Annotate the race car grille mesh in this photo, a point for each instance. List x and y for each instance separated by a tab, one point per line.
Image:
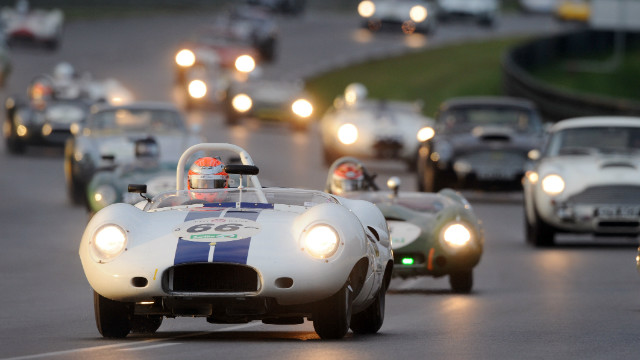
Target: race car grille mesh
212	278
619	194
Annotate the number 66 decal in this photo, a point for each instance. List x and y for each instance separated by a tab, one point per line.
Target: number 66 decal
217	229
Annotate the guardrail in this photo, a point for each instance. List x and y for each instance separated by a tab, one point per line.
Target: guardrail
554	103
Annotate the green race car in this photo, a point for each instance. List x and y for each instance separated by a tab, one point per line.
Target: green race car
432	234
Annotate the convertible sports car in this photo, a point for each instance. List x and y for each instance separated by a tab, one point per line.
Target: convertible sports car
32	26
234	255
372	128
479	142
432	234
408	15
108	138
273	100
586	181
485	12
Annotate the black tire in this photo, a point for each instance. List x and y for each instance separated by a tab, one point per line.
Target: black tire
141	324
370	320
76	189
332	318
15	145
113	318
539	234
461	281
432	178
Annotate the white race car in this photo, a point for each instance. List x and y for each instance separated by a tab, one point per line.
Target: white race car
371	128
485	12
587	180
38	26
234	255
406	15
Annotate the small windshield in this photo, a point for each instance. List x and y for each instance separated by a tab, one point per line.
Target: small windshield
465	119
296	197
131	120
592	140
420	202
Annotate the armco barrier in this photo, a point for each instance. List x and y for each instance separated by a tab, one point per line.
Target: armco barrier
554	103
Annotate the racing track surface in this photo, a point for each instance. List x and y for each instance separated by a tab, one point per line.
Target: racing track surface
579	300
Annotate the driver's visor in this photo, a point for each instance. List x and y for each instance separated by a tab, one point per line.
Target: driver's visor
208	181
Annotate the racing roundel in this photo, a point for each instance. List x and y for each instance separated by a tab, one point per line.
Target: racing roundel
217	229
403	233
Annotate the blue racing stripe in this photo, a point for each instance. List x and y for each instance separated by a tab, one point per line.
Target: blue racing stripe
235	251
191	251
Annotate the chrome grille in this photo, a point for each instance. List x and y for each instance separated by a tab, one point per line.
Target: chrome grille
618	194
211	278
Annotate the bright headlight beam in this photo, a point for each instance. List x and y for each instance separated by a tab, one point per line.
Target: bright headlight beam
321	241
302	108
109	241
425	133
348	134
245	63
456	235
242	102
366	8
185	58
552	184
418	13
197	89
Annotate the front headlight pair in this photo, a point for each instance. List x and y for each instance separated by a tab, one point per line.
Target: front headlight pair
367	9
108	242
321	241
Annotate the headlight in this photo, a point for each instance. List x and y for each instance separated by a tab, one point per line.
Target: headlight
105	195
21	130
425	133
348	134
302	108
552	184
245	63
242	103
456	235
366	8
46	130
185	58
320	241
108	242
197	89
418	13
532	176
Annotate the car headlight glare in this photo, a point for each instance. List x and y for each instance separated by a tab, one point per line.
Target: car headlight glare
348	134
197	89
245	63
552	184
456	235
105	195
109	242
532	176
21	130
320	241
302	108
425	133
366	8
242	103
185	58
418	13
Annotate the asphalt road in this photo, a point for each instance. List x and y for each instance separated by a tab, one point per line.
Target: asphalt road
579	300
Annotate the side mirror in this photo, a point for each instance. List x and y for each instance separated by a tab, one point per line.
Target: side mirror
394	184
139	189
534	154
241	169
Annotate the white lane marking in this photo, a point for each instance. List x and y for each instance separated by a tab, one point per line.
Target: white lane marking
149	347
102	347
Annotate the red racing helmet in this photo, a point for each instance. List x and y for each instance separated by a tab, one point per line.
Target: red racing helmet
347	177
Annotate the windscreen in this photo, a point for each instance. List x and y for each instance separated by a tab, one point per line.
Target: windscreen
592	140
136	120
465	119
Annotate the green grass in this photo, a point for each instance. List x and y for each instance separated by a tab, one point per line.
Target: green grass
431	76
575	75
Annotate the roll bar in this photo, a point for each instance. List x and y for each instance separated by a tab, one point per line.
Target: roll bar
244	157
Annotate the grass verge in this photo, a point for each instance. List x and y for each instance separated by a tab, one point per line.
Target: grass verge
432	75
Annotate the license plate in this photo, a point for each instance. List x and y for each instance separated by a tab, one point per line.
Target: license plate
618	211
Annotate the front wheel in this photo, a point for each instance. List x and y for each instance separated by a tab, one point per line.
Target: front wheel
332	318
539	234
113	318
370	320
461	281
145	324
